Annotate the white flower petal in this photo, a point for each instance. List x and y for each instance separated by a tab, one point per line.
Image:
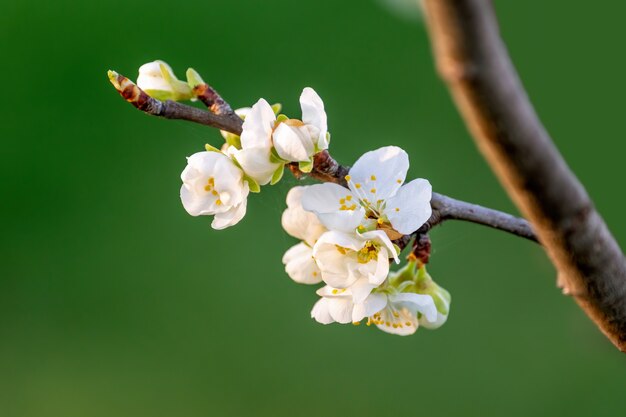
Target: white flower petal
326	200
416	303
301	266
293	143
257	128
440	321
402	323
342	221
360	290
330	292
256	163
410	208
372	304
320	312
379	173
382	268
230	217
298	222
334	238
340	309
313	114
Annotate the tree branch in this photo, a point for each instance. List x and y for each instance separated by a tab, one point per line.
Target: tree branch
474	63
325	167
222	118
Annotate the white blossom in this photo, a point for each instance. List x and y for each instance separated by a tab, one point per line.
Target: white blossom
303	225
158	80
391	311
356	261
214	185
376	197
298	140
256	143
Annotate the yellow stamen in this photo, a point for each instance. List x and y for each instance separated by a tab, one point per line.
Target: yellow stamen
373	177
356	323
214	192
397	209
380	221
395	314
373	191
357	185
408	323
218	202
342	201
348	197
399	181
207	188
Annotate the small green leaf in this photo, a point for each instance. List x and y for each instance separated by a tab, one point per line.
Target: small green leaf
305	166
278	174
281	118
277	107
210	148
254	186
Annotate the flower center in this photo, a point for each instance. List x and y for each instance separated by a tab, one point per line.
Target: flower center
367	253
210	188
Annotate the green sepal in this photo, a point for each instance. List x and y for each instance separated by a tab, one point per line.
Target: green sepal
277	107
278	174
306	166
211	148
276	159
193	78
252	184
182	91
233	140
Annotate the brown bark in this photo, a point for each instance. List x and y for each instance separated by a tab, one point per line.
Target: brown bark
473	61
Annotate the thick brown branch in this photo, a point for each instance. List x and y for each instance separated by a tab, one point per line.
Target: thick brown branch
475	64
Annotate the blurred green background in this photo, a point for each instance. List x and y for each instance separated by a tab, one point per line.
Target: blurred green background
115	302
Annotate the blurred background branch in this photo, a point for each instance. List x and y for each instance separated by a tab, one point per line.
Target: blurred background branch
474	63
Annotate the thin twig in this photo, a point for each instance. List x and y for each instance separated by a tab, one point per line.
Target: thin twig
474	62
172	109
325	167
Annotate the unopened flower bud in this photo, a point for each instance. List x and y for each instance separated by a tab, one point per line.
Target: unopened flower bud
158	80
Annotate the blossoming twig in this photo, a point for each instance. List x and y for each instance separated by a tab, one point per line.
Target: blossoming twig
171	109
473	61
325	167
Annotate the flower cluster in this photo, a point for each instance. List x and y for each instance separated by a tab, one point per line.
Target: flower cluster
217	182
347	242
346	234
